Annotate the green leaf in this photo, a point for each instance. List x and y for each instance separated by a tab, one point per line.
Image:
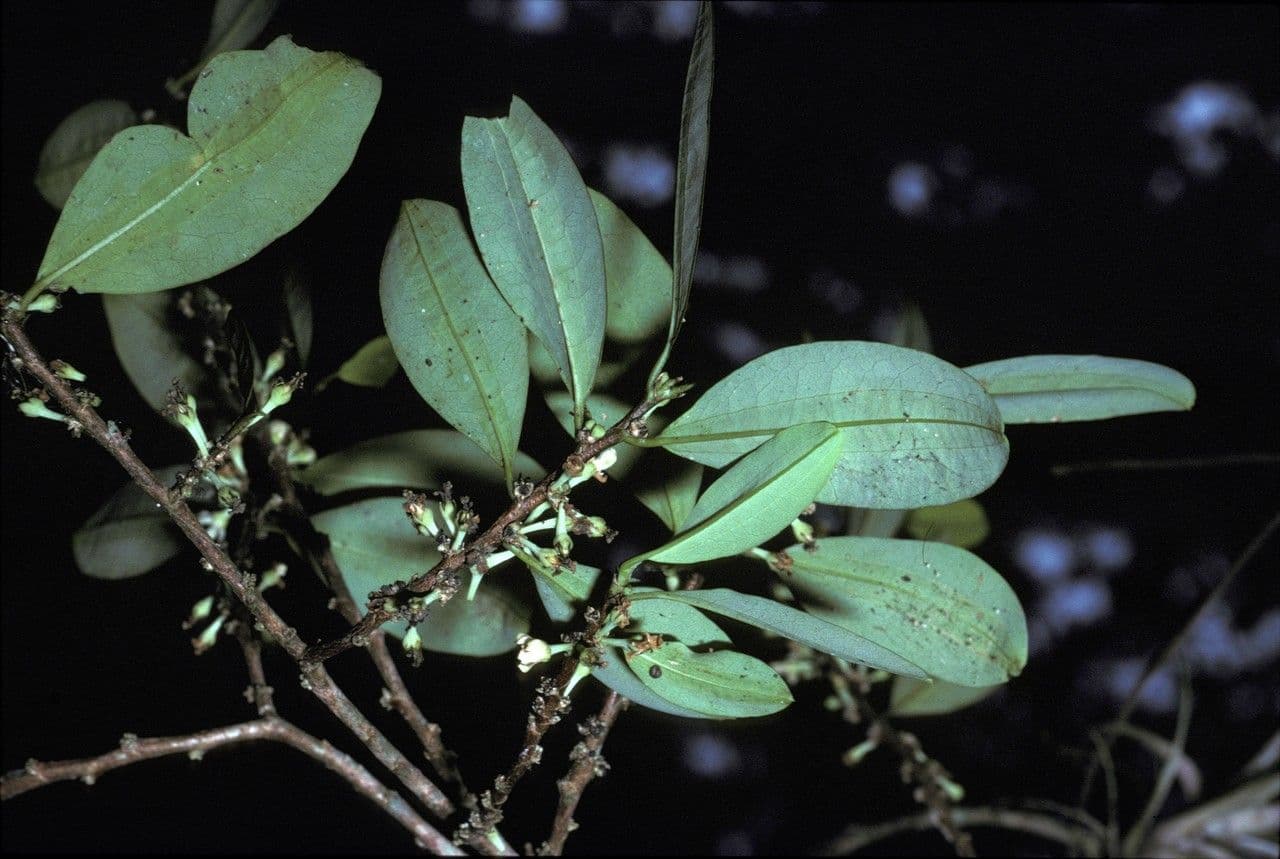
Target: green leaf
722	685
938	606
418	459
146	332
375	545
1054	388
128	535
691	171
272	132
606	411
68	151
637	278
755	499
910	330
298	315
875	523
617	676
796	625
459	342
537	232
657	612
670	490
911	697
235	24
563	592
372	366
917	431
544	370
960	523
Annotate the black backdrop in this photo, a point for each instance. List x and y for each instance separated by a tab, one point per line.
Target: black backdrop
814	106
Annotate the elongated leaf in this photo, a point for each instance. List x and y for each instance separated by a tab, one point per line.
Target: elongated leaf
691	171
670	490
723	685
544	370
461	345
1054	388
917	431
272	132
298	315
617	676
146	334
938	606
653	612
235	24
911	697
416	459
562	593
536	228
375	545
796	625
128	535
605	410
73	144
637	278
372	366
756	498
960	523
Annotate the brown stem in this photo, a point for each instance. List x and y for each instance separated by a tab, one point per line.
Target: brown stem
586	763
318	551
1042	825
132	750
491	540
242	586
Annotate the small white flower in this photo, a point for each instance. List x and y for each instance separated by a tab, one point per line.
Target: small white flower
533	651
606	459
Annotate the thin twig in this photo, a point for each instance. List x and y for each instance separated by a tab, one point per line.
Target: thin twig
132	750
491	540
1075	837
586	763
242	586
1226	459
320	554
1133	842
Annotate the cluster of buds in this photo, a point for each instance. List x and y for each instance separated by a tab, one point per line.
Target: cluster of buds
663	389
200	612
181	407
446	521
296	449
281	392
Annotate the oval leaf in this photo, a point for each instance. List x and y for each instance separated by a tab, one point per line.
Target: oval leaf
722	685
146	333
691	171
652	611
938	606
459	342
372	366
566	590
73	144
796	625
960	523
1055	388
615	674
272	132
917	430
128	535
375	545
756	498
637	278
911	697
537	231
417	459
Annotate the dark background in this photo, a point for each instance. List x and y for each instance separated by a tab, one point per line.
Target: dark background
1051	241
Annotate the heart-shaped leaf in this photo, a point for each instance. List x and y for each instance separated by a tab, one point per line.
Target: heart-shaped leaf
375	545
537	231
754	499
1055	388
416	459
459	342
722	685
796	625
917	431
73	144
272	132
940	607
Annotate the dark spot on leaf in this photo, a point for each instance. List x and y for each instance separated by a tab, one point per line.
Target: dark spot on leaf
428	362
906	578
655	672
